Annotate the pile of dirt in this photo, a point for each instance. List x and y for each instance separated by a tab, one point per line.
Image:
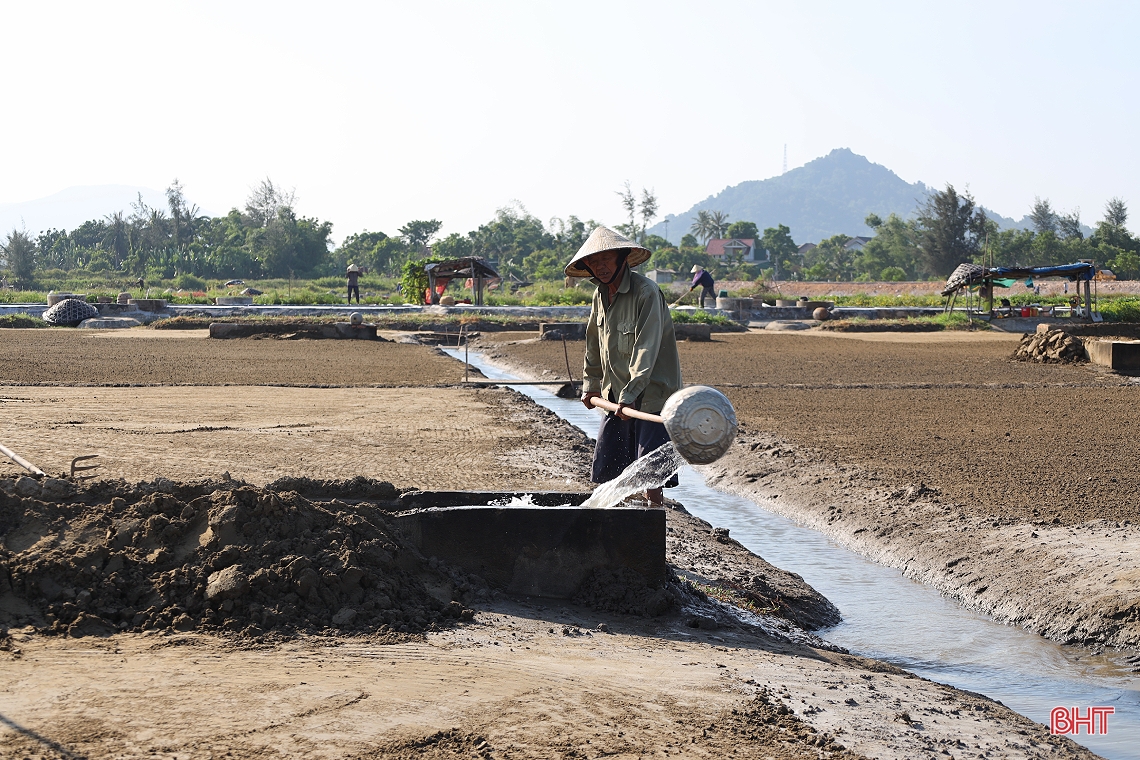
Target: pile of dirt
625	591
211	556
1051	347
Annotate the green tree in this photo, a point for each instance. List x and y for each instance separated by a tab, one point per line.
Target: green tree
892	274
680	260
742	231
1111	236
777	241
830	260
454	246
646	209
893	247
718	224
116	238
1116	213
547	264
265	202
289	246
418	234
510	237
20	257
701	227
950	227
357	249
1069	225
1043	216
1125	265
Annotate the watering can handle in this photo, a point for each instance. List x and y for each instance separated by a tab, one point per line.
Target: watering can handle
610	406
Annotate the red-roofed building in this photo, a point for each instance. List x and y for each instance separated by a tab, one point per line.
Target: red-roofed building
735	249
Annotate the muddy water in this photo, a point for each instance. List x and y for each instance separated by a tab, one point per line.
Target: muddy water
891	618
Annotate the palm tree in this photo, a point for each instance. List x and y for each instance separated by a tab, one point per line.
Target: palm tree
701	225
710	225
718	223
116	237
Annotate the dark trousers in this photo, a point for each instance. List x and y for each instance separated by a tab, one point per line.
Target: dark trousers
707	292
354	289
621	442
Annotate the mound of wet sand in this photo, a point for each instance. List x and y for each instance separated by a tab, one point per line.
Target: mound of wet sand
213	556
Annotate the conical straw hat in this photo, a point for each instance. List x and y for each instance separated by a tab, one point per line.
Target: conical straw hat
605	239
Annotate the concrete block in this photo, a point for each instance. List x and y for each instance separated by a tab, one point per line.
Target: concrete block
1121	355
148	304
109	323
692	331
540	551
115	309
560	330
349	331
233	301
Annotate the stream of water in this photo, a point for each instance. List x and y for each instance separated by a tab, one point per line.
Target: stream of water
891	618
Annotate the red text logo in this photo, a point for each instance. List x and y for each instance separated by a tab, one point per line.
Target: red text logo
1068	720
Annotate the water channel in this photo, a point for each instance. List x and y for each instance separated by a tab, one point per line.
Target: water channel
891	618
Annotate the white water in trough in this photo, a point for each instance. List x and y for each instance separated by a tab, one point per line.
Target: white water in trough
891	618
651	471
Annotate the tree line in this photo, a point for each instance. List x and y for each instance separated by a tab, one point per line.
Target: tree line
268	239
948	229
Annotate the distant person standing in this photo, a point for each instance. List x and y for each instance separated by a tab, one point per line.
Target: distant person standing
705	281
353	282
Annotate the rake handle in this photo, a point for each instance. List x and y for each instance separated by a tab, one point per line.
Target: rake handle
610	406
22	462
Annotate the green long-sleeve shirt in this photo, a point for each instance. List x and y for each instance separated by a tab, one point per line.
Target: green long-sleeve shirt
631	349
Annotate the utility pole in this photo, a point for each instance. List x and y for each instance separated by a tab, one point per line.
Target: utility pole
666	229
785	171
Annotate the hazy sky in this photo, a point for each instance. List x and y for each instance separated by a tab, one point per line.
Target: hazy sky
378	113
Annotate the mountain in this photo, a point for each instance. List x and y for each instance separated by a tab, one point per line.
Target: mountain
829	196
824	197
70	208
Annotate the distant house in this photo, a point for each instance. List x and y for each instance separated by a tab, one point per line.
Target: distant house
806	247
856	243
735	249
661	276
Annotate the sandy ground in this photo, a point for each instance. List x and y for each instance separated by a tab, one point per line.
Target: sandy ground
174	357
521	681
524	679
451	438
938	455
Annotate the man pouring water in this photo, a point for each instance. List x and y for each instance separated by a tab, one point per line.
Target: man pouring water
631	353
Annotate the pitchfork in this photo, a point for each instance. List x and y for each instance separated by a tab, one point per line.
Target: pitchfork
82	467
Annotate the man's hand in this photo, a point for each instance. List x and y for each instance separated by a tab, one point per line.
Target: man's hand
620	413
587	395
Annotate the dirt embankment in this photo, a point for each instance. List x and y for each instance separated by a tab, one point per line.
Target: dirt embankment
942	457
